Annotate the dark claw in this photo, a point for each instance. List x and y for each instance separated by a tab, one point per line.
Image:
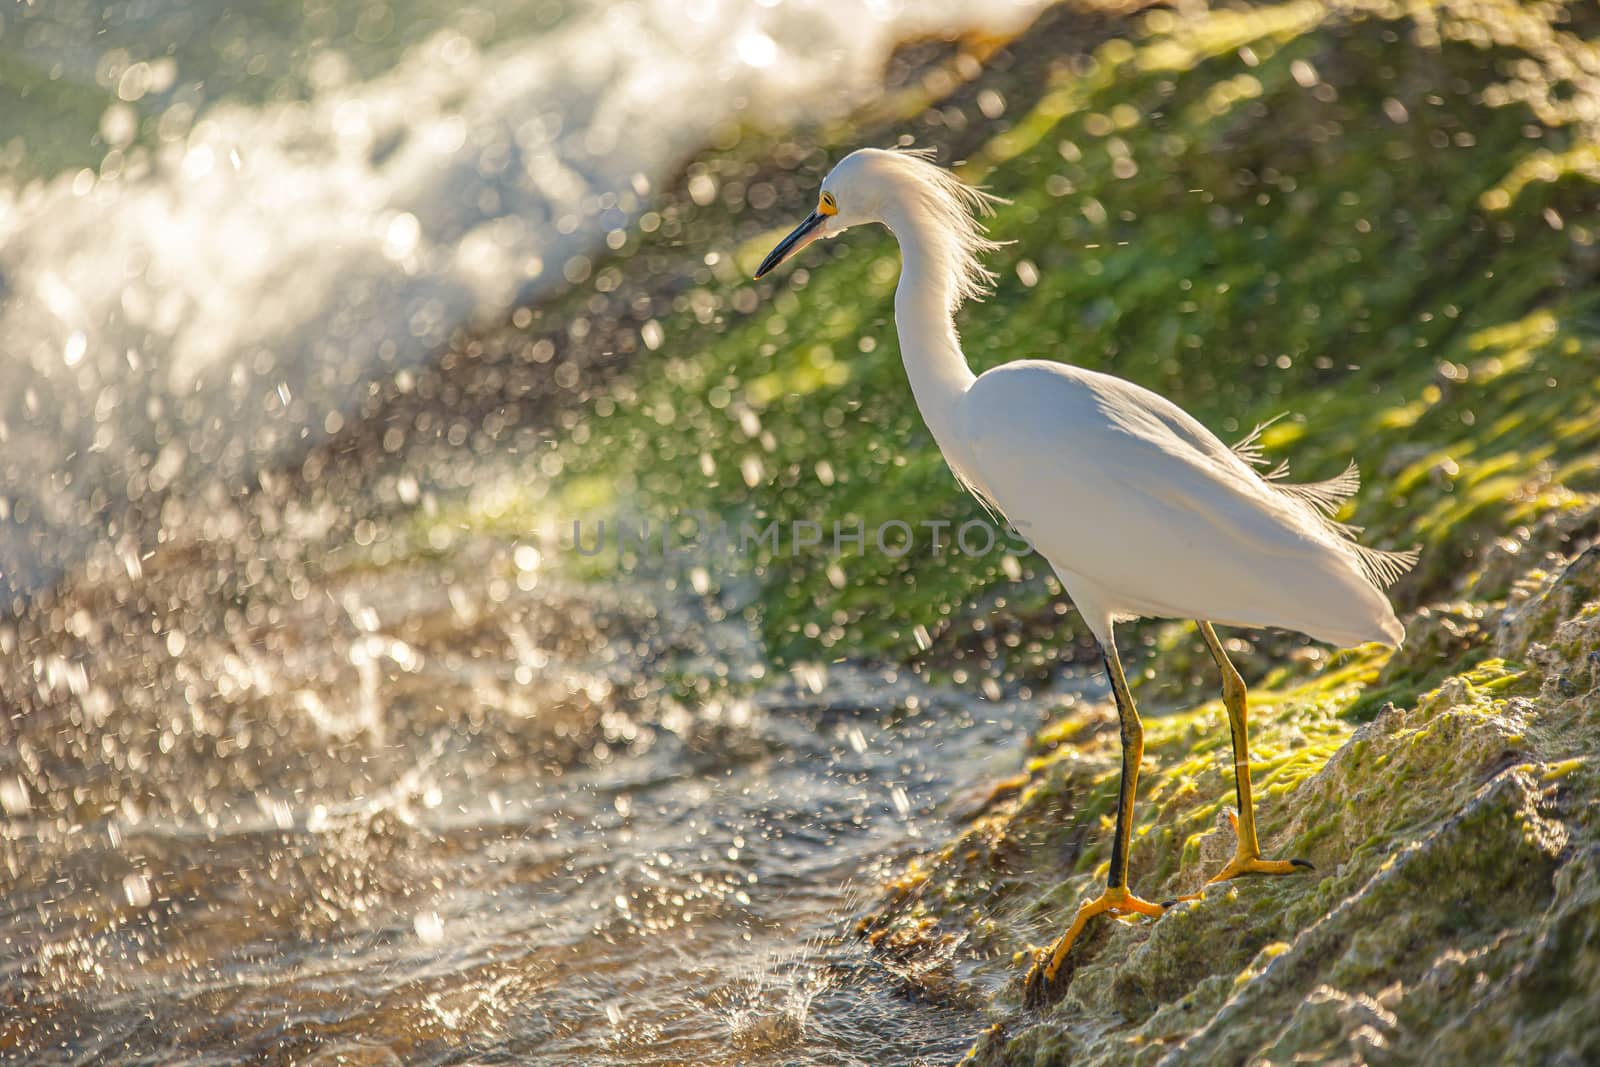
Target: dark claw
1039	992
1302	863
1033	990
1169	903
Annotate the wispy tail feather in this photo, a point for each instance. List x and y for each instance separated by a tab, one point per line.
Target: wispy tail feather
1323	500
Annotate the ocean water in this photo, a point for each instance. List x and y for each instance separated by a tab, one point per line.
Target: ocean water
219	221
405	821
454	809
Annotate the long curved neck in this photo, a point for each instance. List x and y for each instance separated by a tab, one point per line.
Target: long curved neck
928	343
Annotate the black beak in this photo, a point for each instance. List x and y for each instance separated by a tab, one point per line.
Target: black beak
802	235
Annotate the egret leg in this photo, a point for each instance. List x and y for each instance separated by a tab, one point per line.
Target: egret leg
1247	855
1116	899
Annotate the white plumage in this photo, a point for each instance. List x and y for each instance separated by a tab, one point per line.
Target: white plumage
1141	510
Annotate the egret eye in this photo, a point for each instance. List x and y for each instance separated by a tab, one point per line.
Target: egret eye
826	205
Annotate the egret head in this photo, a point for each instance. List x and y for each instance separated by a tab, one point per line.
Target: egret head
847	197
907	192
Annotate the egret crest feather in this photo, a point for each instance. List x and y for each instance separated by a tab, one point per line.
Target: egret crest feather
956	211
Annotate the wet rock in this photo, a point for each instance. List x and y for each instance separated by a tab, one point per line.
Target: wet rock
1554	600
1457	890
1455	907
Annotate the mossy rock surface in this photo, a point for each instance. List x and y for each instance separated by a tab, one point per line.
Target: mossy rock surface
1452	914
1379	219
1324	212
1376	217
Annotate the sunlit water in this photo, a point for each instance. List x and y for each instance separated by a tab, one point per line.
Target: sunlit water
216	225
255	808
494	819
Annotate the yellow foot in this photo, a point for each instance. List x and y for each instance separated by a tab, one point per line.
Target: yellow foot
1042	981
1247	862
1242	865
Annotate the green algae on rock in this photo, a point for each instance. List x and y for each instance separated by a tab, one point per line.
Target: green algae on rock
1235	208
1377	217
1454	911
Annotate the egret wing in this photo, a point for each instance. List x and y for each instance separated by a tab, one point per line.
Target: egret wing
1046	435
1114	483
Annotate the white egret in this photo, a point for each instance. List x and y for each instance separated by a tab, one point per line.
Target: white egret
1139	509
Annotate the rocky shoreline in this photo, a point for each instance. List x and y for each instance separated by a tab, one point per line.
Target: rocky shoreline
1381	221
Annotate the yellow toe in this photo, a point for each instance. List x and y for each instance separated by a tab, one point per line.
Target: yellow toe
1047	962
1240	866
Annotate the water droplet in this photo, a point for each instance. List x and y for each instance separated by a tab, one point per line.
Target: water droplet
650	333
758	50
136	888
76	345
14	799
400	239
429	927
902	803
